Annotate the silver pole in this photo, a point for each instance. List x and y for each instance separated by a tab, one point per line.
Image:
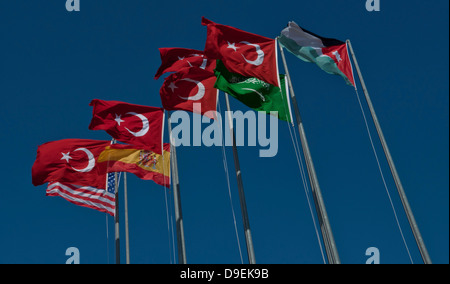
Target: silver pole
248	234
176	198
116	214
127	239
327	234
412	221
116	219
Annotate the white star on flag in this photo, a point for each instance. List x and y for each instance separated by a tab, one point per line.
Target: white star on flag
172	86
66	156
118	119
232	46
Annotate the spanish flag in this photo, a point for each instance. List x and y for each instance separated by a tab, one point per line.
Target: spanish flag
145	164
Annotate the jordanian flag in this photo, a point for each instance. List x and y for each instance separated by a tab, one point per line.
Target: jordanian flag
329	54
254	93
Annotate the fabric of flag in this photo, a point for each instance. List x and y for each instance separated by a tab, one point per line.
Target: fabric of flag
254	93
87	196
129	123
145	164
71	161
242	52
191	89
111	183
331	55
175	59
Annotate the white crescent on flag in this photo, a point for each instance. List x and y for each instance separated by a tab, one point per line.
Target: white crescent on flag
91	162
255	91
200	93
145	125
260	59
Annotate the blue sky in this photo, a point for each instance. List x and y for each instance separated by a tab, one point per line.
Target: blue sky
55	62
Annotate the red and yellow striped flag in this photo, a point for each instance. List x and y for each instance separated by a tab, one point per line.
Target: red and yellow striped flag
145	164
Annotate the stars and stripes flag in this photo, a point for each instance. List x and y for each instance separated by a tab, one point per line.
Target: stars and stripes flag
70	168
87	196
111	183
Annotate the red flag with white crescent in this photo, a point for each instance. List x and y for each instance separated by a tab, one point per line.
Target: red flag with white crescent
69	160
175	59
189	89
242	52
129	123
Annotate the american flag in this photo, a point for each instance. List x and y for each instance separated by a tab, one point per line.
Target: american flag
111	187
87	196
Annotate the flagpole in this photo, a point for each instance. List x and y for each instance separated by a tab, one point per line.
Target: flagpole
248	235
176	198
327	234
412	221
116	215
127	242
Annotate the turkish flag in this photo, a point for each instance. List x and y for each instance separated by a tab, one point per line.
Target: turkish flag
241	52
129	123
174	59
69	160
191	89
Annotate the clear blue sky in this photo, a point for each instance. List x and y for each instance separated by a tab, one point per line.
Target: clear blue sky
53	63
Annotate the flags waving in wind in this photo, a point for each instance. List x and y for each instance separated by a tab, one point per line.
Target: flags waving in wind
255	93
129	123
145	164
188	87
191	85
329	54
69	160
175	59
71	166
242	52
87	196
71	170
237	62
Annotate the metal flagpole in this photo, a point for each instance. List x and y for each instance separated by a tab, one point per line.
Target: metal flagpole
412	221
327	234
116	215
176	198
127	242
116	219
248	235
